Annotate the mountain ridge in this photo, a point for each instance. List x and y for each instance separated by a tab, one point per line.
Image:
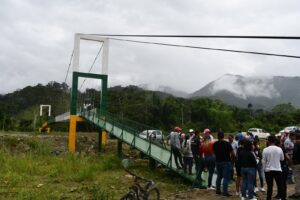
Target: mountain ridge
264	91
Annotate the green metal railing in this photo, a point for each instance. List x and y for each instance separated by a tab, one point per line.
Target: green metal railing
128	131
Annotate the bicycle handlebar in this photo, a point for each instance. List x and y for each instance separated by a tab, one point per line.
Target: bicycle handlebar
138	177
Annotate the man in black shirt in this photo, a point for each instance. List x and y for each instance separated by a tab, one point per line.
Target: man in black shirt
224	152
296	167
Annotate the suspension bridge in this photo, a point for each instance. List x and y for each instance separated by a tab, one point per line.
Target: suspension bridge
125	130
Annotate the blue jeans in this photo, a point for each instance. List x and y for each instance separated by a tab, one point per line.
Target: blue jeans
210	163
248	177
260	171
223	172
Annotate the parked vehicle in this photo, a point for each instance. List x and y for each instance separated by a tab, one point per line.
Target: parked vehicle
261	133
152	134
287	130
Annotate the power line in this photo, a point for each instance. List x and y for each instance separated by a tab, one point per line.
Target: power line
92	65
207	48
203	36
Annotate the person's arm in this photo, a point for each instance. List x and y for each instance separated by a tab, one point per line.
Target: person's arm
288	159
254	158
263	160
281	155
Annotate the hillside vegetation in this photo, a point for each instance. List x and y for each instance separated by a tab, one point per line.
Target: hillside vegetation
156	109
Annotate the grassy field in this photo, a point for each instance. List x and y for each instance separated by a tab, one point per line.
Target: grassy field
38	174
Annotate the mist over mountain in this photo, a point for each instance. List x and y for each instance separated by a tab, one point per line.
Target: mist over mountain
165	89
261	92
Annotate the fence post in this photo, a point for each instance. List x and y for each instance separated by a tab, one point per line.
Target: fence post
120	154
152	163
100	140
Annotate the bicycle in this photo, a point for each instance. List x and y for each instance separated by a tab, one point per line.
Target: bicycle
148	191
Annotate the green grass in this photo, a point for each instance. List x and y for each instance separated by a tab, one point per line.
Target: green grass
37	174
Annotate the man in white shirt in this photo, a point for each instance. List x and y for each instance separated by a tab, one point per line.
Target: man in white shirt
271	157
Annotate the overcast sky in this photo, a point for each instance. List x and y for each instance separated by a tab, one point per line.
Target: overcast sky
37	38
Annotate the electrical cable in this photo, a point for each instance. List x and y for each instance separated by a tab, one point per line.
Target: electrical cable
207	48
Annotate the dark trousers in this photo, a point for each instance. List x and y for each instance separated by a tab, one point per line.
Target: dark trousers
210	163
196	161
270	176
187	163
223	172
285	173
177	156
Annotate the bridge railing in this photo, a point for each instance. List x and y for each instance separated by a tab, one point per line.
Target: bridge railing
129	125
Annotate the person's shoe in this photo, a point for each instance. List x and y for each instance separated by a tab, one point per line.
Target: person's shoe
254	198
243	198
256	189
227	195
218	192
294	196
262	189
211	188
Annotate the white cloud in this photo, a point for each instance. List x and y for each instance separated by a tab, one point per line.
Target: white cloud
37	39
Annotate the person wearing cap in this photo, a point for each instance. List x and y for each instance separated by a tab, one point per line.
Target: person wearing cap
191	132
176	146
207	132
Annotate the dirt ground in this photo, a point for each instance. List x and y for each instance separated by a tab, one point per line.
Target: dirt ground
194	194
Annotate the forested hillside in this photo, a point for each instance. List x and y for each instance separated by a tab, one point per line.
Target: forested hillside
153	108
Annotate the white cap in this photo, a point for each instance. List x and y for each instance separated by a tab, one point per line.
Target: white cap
191	130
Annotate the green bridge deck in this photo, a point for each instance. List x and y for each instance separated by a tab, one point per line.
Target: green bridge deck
155	150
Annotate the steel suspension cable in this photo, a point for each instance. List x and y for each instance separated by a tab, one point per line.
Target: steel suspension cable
69	66
92	65
203	36
206	48
65	81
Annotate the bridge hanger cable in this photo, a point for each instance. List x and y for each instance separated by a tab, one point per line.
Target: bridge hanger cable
65	103
92	65
206	48
71	57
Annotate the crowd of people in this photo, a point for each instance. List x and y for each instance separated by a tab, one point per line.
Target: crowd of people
240	158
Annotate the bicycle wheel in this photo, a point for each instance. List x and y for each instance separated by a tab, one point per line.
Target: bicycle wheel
152	194
129	196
